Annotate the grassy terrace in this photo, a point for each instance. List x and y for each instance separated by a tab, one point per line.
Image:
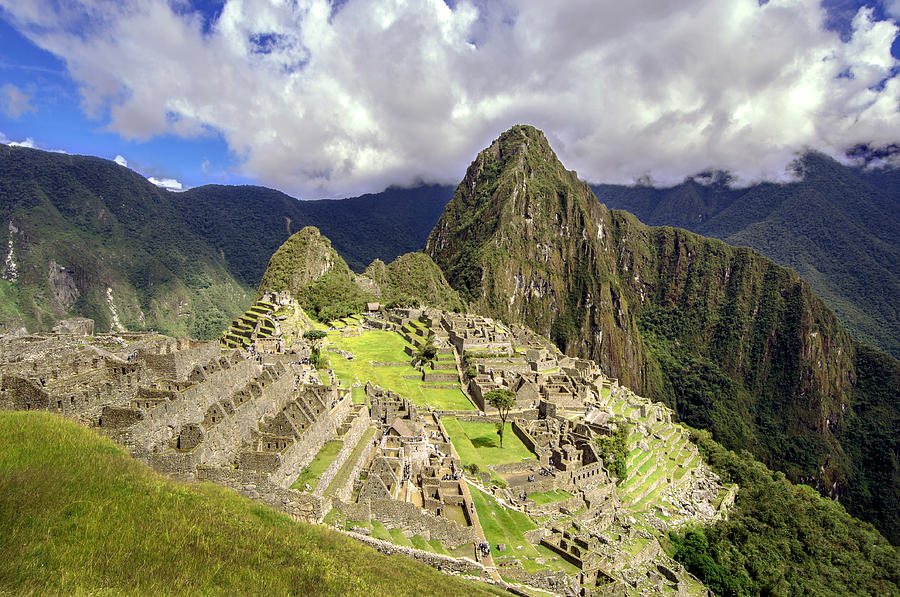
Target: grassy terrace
79	516
548	497
379	531
479	443
502	525
387	347
323	459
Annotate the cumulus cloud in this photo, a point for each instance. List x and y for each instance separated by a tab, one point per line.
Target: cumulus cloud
121	161
28	142
321	101
166	183
15	101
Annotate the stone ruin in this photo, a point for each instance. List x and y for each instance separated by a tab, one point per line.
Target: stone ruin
201	411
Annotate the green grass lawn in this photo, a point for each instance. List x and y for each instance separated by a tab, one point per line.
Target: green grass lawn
323	459
79	516
505	526
548	497
380	532
399	538
479	443
387	347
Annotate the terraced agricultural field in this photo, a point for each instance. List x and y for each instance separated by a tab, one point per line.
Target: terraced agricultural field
548	497
310	475
508	527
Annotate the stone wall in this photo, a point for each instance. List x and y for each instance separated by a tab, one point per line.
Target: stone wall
573	504
160	424
554	581
302	451
411	518
259	487
439	561
590	475
345	492
223	440
351	438
440	377
524	436
178	364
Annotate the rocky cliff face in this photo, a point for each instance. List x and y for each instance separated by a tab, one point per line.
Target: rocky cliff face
732	341
523	239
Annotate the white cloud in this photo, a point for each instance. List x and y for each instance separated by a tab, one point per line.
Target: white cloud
393	92
28	142
166	183
121	161
15	101
892	8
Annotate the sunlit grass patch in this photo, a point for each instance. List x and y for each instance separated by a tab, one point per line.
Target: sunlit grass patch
79	516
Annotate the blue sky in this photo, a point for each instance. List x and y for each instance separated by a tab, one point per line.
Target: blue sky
323	99
54	120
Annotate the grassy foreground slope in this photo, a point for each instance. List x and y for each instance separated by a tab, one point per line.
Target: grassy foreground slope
79	516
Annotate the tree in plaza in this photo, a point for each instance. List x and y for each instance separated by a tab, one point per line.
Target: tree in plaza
316	357
502	400
314	335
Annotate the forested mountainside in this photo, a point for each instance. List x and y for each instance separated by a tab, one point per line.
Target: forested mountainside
85	236
247	223
180	263
732	341
837	226
311	270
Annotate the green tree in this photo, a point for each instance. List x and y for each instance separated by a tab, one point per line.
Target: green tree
318	360
502	400
427	353
614	450
314	335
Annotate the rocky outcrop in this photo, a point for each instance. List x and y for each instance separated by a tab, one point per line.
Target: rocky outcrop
62	286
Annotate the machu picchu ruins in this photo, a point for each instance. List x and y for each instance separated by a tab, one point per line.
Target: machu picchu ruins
393	442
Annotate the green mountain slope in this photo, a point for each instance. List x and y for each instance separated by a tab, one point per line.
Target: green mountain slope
307	267
85	236
838	227
783	539
80	517
732	341
181	263
247	223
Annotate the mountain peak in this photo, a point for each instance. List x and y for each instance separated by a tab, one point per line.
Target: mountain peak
303	258
518	223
